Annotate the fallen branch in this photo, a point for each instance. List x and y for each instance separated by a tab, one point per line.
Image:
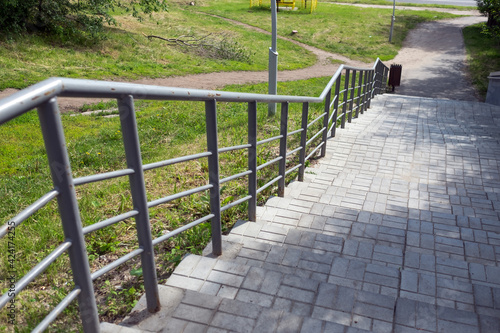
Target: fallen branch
190	41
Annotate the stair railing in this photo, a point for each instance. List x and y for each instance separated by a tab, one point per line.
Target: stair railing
359	87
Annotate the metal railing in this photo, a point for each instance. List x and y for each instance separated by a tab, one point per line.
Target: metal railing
341	104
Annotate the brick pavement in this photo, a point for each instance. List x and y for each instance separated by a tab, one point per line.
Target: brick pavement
397	229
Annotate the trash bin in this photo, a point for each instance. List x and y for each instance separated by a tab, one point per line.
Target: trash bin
395	76
493	94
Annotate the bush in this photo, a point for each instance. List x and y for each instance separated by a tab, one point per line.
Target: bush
491	9
67	19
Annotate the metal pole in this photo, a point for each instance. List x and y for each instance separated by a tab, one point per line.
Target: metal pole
213	175
392	19
303	141
139	199
273	59
283	144
252	161
55	145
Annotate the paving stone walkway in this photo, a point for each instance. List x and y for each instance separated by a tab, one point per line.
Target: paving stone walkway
397	229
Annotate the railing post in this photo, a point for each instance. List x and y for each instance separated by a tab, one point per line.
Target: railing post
62	178
328	99
364	99
346	97
139	199
303	140
336	104
351	104
283	144
213	175
370	88
360	88
252	160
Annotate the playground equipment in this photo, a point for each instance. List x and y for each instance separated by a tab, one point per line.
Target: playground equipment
311	4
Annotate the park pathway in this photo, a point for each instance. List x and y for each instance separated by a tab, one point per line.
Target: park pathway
396	230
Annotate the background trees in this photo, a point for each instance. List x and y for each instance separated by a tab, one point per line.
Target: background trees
491	8
68	19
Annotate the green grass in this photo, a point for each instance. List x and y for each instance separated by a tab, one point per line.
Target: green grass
166	130
332	27
406	4
128	55
483	54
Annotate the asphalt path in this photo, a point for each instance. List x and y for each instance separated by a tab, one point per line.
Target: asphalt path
466	3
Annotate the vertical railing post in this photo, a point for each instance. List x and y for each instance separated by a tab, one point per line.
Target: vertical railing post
370	88
328	99
351	104
358	99
346	97
62	178
139	198
252	161
303	140
213	175
336	104
365	85
283	145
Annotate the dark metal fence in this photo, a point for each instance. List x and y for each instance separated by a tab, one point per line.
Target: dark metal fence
341	104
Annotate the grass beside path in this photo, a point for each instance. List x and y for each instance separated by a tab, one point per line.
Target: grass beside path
483	56
358	33
126	54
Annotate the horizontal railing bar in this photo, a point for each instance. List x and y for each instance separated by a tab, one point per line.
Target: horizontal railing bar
341	104
57	310
175	161
29	98
342	91
236	176
102	176
295	132
269	184
293	169
108	222
226	149
331	116
181	229
97	274
27	212
315	136
315	150
333	100
269	162
235	203
33	273
331	127
315	120
178	195
293	151
340	116
269	140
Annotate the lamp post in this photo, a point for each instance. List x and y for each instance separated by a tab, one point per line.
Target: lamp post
273	59
392	19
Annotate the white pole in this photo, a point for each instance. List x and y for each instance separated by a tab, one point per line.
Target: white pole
273	59
393	19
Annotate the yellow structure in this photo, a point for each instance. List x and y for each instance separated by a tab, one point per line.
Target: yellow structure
311	4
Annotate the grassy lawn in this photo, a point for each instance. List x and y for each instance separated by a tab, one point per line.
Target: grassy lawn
389	3
166	130
483	54
332	27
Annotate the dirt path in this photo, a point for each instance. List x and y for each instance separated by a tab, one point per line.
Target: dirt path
429	47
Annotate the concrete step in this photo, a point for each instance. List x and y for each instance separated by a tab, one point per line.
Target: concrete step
422	277
444	235
359	298
188	311
287	292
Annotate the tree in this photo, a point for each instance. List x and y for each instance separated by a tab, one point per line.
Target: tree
491	9
68	19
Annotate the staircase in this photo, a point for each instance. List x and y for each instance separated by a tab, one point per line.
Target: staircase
397	229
